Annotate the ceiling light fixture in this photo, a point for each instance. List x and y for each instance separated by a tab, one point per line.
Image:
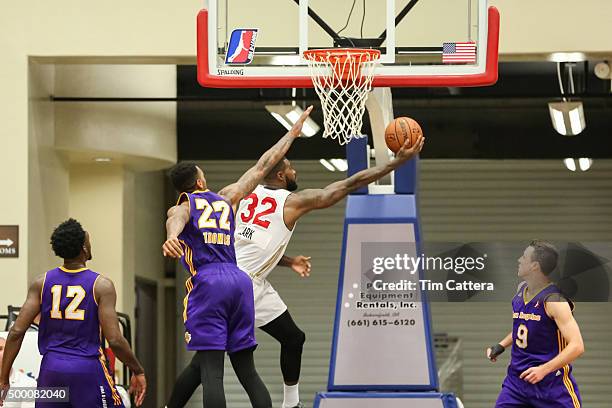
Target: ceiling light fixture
288	115
570	164
340	164
567	57
567	117
327	165
334	164
585	163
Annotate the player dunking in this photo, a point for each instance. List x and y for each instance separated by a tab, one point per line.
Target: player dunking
265	223
74	303
219	311
545	339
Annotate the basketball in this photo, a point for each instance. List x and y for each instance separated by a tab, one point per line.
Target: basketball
400	129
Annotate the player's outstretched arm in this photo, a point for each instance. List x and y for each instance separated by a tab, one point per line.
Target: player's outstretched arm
253	176
304	201
494	351
106	297
178	217
27	314
561	313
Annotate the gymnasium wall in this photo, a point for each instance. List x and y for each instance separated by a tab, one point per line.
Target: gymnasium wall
69	29
118	202
460	201
155	31
39	38
517	201
48	177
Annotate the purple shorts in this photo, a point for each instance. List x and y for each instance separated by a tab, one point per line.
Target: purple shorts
88	381
220	311
556	390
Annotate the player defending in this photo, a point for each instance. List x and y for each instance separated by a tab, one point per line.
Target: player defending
266	221
545	338
74	303
219	310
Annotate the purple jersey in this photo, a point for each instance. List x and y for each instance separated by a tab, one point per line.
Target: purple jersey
536	337
537	340
208	237
69	321
219	311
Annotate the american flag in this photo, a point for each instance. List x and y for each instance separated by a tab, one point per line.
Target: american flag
458	52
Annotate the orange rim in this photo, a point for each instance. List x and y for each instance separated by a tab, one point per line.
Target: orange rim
358	55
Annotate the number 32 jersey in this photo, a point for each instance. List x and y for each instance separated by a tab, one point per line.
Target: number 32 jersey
261	234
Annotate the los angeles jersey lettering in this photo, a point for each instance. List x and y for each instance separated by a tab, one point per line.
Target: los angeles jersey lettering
69	321
261	234
536	337
208	237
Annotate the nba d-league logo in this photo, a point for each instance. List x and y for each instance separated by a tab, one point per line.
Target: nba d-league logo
241	47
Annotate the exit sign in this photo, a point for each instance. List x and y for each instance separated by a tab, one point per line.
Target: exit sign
9	241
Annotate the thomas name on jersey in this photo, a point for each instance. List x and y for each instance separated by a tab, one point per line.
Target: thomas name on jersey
217	238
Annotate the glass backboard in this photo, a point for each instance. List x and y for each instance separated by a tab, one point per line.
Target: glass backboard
245	43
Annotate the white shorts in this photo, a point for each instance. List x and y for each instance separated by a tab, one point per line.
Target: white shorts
268	303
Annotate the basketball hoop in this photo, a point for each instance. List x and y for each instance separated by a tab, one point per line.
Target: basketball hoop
342	78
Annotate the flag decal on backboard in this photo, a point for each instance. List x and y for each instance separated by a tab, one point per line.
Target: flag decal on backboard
453	52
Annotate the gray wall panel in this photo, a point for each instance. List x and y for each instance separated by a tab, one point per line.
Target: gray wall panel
460	201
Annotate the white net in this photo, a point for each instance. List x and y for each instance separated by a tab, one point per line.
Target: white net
343	79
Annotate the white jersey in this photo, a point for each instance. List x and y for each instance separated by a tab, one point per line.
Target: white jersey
261	236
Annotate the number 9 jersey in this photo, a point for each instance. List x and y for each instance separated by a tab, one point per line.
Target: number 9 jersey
536	338
261	234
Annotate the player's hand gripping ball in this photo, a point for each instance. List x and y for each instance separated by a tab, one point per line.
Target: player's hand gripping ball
401	130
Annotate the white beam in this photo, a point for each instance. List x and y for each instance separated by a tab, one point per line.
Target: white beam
380	110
